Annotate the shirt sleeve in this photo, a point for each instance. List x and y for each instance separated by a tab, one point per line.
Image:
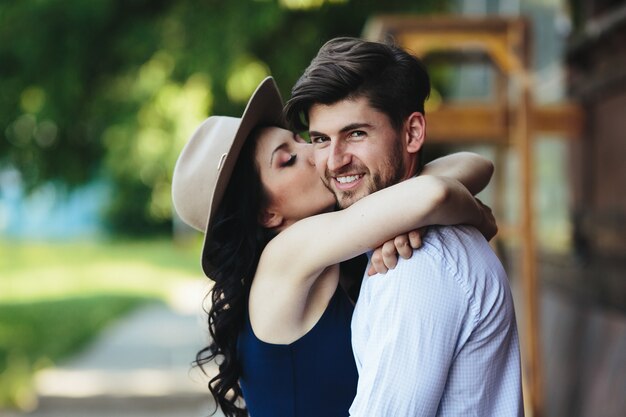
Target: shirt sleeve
437	335
415	329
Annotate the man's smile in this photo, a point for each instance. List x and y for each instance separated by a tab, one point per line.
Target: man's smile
346	182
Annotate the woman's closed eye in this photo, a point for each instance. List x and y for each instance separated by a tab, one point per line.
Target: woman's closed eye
290	161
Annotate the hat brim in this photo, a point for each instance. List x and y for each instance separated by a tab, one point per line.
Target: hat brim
265	107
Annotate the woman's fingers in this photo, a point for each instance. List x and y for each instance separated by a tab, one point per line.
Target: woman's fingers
489	226
385	257
390	254
403	246
377	265
415	237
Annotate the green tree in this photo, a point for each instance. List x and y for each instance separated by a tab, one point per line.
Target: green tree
114	88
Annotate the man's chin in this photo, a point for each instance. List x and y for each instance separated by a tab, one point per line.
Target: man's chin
346	199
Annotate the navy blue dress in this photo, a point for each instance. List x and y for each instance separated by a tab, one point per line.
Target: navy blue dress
314	376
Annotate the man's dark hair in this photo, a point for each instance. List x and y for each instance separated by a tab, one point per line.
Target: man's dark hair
394	82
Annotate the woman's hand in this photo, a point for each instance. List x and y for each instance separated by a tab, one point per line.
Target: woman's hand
488	226
385	257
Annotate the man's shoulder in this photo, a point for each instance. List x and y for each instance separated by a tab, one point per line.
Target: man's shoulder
449	242
438	236
466	258
462	250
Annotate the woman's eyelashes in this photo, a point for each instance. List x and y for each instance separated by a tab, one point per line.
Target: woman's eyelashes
291	160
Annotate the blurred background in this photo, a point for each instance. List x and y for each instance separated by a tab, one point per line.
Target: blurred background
100	285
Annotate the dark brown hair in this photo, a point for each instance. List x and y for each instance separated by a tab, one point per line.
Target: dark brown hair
236	240
394	82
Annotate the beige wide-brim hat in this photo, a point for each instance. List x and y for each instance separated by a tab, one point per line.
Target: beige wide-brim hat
206	163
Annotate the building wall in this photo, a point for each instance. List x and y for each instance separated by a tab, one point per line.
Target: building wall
597	78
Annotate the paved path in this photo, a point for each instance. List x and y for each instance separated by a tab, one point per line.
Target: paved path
140	366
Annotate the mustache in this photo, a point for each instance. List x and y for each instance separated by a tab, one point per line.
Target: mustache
346	170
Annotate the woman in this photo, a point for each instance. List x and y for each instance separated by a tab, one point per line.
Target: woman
280	320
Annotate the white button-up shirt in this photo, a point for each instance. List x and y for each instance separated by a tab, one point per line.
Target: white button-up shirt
437	335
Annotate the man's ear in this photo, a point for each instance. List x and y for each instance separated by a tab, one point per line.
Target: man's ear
415	131
270	219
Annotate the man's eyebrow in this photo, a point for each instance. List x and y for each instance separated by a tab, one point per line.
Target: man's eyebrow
353	126
347	128
278	148
316	133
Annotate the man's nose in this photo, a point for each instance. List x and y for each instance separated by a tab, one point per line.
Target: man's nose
338	157
310	158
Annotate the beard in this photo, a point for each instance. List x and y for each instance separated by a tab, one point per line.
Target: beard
392	172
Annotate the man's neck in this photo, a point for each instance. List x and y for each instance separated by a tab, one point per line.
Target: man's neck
413	169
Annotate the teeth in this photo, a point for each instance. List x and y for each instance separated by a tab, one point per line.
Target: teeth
348	179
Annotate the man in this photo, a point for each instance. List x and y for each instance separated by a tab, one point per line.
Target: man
437	335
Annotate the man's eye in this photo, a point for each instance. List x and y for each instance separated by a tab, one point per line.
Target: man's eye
357	134
318	139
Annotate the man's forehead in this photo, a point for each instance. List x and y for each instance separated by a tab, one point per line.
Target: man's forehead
340	114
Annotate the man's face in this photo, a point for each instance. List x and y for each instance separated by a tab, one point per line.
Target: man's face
357	150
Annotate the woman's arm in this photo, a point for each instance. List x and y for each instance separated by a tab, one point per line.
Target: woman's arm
290	297
301	252
470	169
474	172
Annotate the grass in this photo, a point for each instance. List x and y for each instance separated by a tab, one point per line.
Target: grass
38	271
54	298
36	334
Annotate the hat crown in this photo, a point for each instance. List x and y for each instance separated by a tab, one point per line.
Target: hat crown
198	169
207	161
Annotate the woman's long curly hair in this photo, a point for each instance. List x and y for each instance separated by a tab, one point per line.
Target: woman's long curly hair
232	250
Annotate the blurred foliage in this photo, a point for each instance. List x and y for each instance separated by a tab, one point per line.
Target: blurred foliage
113	88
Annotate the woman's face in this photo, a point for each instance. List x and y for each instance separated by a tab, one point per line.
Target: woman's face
287	171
